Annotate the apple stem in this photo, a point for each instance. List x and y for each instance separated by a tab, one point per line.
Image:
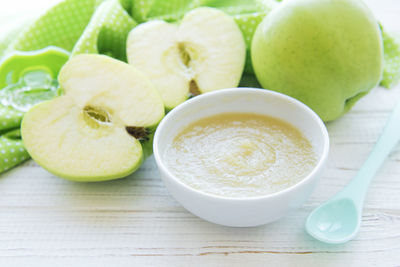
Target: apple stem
194	88
140	133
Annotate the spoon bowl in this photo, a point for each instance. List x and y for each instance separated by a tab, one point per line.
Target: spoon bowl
334	222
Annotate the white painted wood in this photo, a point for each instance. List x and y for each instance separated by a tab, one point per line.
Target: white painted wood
47	221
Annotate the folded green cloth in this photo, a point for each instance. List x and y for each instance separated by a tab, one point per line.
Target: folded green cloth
9	118
60	26
107	31
12	151
101	26
391	71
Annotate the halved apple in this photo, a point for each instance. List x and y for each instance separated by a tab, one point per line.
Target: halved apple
96	130
205	52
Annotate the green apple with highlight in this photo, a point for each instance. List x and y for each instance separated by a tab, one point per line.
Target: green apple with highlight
326	53
100	128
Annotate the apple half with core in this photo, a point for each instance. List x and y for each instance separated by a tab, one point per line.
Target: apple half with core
326	53
96	131
205	52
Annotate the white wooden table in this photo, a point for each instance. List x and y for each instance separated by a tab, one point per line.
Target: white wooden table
47	221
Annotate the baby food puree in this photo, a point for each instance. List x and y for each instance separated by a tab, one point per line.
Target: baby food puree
240	155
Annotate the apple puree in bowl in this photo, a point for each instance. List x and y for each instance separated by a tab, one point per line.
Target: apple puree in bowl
240	155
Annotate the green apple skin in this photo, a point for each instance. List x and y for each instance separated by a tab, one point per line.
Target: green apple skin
325	53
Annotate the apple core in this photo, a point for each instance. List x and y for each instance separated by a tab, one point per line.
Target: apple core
95	116
186	57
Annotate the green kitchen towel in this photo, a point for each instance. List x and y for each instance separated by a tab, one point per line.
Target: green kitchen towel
12	151
107	31
9	118
60	26
391	71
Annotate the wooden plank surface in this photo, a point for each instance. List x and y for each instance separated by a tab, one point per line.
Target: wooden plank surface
47	221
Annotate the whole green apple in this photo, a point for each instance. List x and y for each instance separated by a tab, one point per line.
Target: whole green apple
325	53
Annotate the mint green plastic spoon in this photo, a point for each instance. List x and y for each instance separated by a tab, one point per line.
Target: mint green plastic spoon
338	220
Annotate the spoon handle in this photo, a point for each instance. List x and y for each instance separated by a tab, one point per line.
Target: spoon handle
388	139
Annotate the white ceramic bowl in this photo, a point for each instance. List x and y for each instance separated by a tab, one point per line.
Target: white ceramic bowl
250	211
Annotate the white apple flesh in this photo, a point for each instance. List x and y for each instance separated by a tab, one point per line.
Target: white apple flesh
94	131
205	52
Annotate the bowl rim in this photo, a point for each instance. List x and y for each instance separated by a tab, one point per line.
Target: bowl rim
169	118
